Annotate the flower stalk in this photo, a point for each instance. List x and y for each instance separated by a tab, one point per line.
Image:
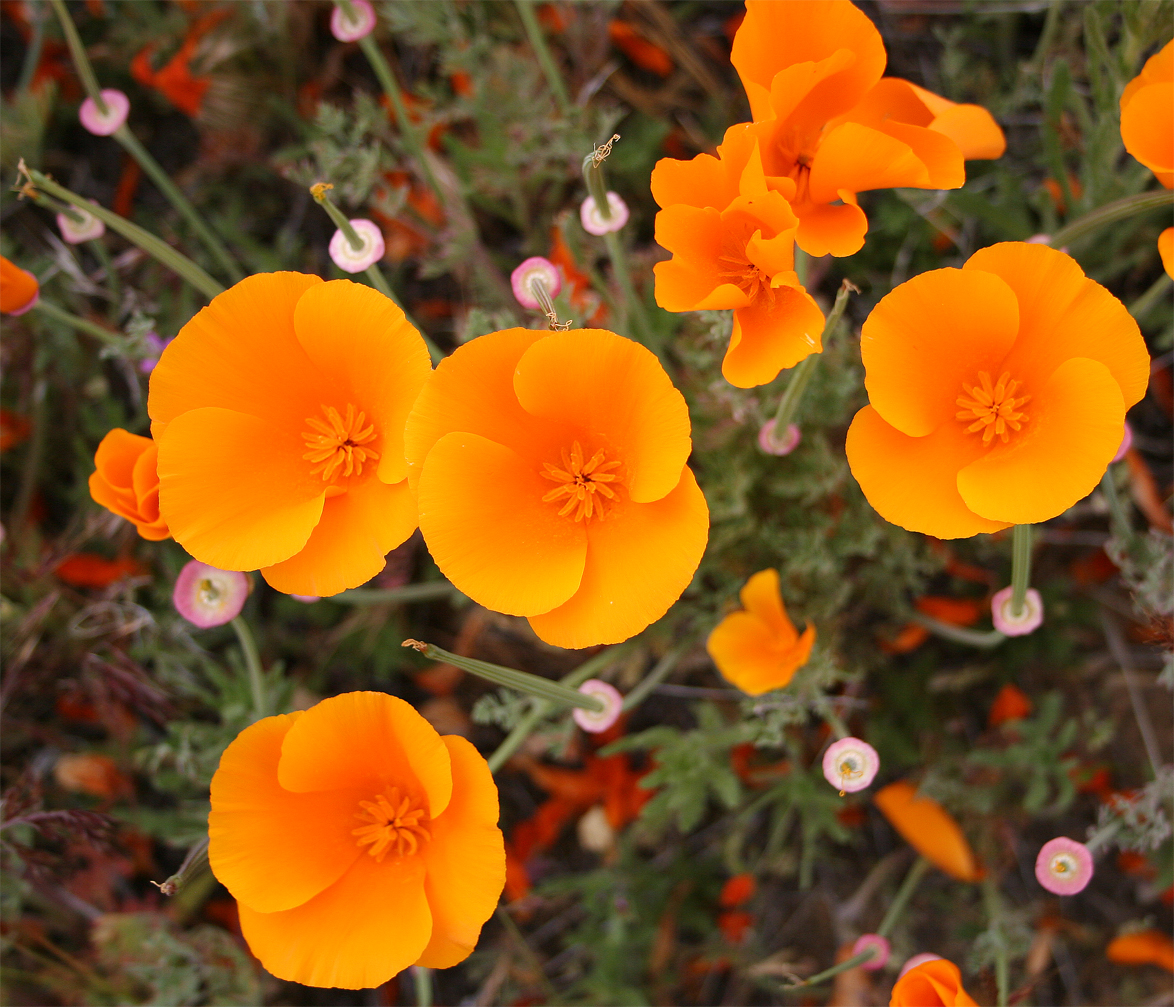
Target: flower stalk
958	634
77	52
904	894
253	663
542	51
867	955
81	324
994	909
423	981
1110	213
1020	566
661	670
398	595
1103	835
194	864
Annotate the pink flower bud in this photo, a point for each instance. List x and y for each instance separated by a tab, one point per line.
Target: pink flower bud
1027	621
593	222
1064	866
1126	443
74	232
866	941
850	764
916	960
209	597
766	439
355	260
117	109
540	269
613	704
346	30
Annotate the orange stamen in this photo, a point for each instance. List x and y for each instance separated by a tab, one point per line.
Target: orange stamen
993	408
394	823
338	443
579	483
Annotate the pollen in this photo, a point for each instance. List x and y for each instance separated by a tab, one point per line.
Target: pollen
337	444
394	825
582	484
994	409
734	266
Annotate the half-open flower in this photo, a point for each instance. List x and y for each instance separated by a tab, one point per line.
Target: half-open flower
1064	866
354	260
928	828
356	840
997	392
104	123
1029	618
209	597
933	983
19	289
126	481
758	648
1147	115
87	228
279	412
613	705
550	473
850	765
733	242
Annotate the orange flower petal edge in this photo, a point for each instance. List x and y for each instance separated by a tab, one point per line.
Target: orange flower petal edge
932	984
551	481
126	481
1144	947
356	841
1147	115
279	412
19	289
758	648
928	828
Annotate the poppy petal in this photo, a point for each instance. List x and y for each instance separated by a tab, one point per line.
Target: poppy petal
701	181
234	489
1146	129
145	480
350	543
928	828
111	483
856	158
690	281
489	530
825	229
1073	431
772	334
639	560
369	925
464	859
273	849
974	130
940	154
752	661
913	481
762	597
1166	250
367	741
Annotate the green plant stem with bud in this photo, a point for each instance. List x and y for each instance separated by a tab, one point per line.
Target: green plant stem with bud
1103	836
545	60
1110	213
252	658
81	324
904	894
970	637
1020	566
867	955
194	864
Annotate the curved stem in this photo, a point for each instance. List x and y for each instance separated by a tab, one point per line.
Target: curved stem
542	51
253	663
658	674
619	263
32	56
1020	566
1157	290
336	215
1109	213
402	595
81	324
1103	835
904	894
77	52
867	955
970	637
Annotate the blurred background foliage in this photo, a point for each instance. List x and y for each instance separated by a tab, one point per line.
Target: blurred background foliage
115	711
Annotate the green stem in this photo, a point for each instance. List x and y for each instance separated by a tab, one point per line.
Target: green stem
1102	836
195	863
253	663
542	51
49	203
839	728
78	53
113	284
542	296
177	199
659	673
397	595
148	242
32	56
904	894
1157	290
318	191
523	681
1109	213
1119	518
867	955
619	263
970	637
990	897
1020	566
423	980
30	471
50	309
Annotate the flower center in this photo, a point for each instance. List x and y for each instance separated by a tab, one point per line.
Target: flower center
851	768
209	592
336	443
394	823
994	409
1062	864
583	485
735	266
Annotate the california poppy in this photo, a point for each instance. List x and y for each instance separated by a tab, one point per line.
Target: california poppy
19	289
1143	947
936	983
356	840
758	648
175	80
1147	115
550	473
733	244
1010	704
997	392
126	481
928	828
279	413
831	127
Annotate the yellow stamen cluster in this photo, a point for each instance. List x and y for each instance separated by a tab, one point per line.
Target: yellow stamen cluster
336	445
993	408
395	824
579	483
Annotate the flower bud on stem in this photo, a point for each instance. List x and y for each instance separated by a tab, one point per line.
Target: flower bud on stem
1020	566
194	864
867	955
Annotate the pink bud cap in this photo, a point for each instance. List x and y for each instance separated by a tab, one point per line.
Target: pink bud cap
209	597
117	109
916	960
866	941
535	268
346	30
89	228
593	222
766	439
1064	866
355	260
1027	621
613	704
850	764
1126	443
306	599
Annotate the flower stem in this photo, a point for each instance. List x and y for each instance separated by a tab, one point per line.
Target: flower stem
990	896
112	281
1110	213
195	863
867	955
619	263
542	51
970	637
1119	519
319	192
904	894
32	56
1103	835
1157	290
400	595
533	685
253	663
658	674
423	980
77	52
153	246
81	324
1020	566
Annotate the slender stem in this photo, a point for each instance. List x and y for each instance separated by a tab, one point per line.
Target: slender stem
839	728
542	51
802	259
990	893
1020	566
867	955
177	199
1109	213
1157	290
112	281
593	177
194	863
398	595
339	218
619	263
658	674
49	203
148	242
30	471
542	296
77	51
1102	836
32	56
423	980
50	309
1119	518
253	664
523	681
970	637
904	894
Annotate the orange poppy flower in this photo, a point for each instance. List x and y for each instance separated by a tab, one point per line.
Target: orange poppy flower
1145	947
931	984
733	244
832	127
1166	250
19	289
1011	703
998	392
1147	115
126	481
356	840
550	473
279	414
928	828
758	649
